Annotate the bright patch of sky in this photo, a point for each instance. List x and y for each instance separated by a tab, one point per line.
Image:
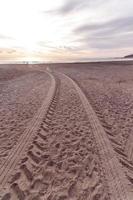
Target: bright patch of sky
65	30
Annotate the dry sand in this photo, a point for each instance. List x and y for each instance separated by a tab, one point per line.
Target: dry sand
22	93
63	138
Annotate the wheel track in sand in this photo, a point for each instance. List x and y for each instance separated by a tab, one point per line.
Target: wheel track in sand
24	178
117	181
129	147
124	152
113	171
18	189
17	186
22	100
11	161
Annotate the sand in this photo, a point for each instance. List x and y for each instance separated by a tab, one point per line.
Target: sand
22	93
72	134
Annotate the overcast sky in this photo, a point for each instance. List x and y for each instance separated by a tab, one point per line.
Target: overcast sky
65	30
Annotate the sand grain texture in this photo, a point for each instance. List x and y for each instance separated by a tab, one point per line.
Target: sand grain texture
68	150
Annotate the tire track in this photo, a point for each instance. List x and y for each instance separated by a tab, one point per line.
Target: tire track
21	101
117	182
123	152
27	178
129	148
24	180
11	161
35	178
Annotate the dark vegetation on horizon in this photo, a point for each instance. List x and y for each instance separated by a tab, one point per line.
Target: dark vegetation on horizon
129	56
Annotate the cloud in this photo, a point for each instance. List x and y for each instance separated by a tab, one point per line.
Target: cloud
58	48
123	41
116	33
113	26
11	51
5	37
7	51
70	6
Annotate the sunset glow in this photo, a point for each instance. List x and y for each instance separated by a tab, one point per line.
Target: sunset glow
65	30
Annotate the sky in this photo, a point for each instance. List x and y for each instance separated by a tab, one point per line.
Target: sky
65	30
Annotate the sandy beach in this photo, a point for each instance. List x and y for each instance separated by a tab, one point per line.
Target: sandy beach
66	131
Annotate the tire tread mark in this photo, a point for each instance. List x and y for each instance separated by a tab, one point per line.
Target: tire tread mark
129	147
116	179
11	161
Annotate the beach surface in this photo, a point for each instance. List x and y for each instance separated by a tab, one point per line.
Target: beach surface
66	131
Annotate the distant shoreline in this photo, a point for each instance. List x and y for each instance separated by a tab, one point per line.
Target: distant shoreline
123	59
